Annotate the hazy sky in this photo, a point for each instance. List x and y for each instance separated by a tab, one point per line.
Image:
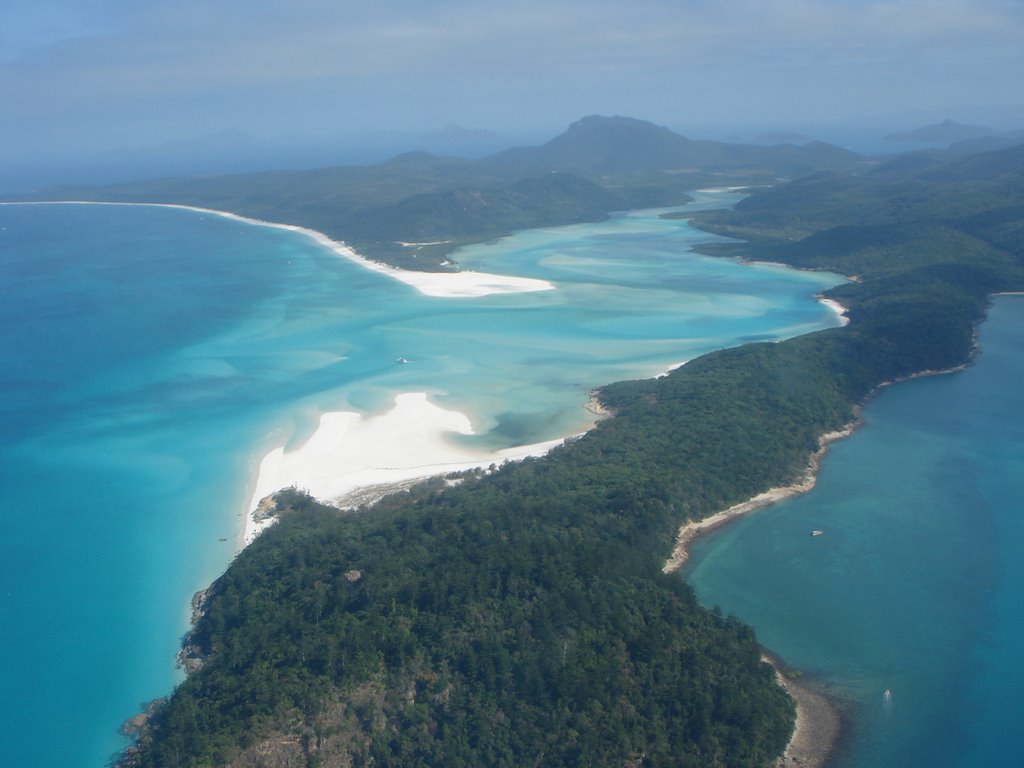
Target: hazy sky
90	75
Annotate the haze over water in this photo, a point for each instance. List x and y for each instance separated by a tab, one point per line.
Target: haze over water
152	356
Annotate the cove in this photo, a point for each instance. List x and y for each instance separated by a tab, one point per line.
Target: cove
915	583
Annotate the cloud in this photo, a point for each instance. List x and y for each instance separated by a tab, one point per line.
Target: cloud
142	63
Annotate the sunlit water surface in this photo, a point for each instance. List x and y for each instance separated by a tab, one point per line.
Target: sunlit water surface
153	355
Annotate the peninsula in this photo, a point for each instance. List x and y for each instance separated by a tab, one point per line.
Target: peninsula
521	616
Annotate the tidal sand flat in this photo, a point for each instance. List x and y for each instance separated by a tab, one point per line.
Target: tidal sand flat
155	356
349	452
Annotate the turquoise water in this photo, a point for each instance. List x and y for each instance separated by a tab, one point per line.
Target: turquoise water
917	583
152	356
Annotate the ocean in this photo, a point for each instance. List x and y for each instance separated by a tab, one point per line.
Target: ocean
915	585
152	357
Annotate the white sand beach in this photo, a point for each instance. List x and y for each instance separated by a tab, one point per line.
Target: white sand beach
836	307
440	284
451	285
349	451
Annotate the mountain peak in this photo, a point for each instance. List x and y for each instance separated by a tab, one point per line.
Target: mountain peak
601	146
615	144
615	125
945	132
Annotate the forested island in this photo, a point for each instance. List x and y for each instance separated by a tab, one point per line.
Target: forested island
520	616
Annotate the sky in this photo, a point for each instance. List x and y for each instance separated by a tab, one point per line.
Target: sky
81	78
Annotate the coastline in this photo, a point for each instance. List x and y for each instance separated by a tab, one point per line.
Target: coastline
351	457
792	755
349	452
818	725
449	285
836	307
344	454
691	530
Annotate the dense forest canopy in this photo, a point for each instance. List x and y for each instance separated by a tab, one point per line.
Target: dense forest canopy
520	617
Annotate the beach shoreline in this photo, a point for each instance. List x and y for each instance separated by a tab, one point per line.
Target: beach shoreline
691	530
350	451
836	307
449	285
817	726
349	454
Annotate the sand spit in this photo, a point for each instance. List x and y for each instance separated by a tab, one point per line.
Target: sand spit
450	285
351	458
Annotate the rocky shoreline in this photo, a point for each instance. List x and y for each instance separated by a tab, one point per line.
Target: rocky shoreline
694	529
818	726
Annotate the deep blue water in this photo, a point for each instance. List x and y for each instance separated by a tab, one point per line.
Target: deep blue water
152	356
917	583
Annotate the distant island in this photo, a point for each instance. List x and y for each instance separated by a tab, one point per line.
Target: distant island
521	615
782	137
946	132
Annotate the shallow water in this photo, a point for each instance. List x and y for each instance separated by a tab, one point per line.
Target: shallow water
153	355
916	583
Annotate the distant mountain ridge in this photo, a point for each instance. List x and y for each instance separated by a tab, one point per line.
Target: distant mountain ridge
946	132
782	137
622	145
600	164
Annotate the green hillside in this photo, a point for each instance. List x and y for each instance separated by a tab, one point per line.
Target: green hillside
601	164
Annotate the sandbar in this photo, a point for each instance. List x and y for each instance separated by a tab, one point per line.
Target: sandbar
350	451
